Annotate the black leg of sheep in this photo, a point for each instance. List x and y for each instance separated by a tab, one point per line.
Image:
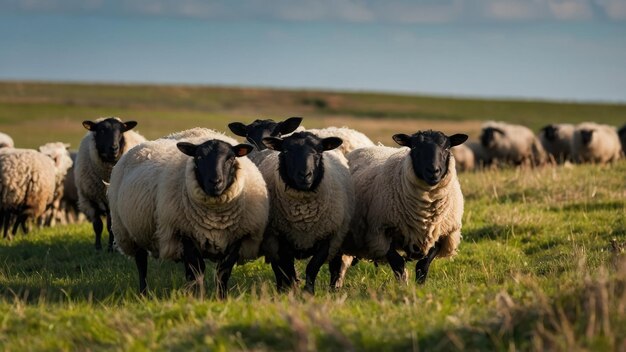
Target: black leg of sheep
225	268
141	260
111	237
334	268
194	263
313	268
284	267
396	262
97	228
422	266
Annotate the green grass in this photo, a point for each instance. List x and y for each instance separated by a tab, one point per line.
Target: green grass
535	270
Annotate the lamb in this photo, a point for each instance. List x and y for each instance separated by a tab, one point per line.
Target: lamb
622	138
595	143
556	139
408	200
100	149
514	144
28	180
464	157
59	153
352	139
259	129
186	196
6	141
312	202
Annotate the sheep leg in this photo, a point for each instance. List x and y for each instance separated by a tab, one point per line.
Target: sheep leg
396	262
194	263
111	236
224	269
284	269
141	260
337	268
6	224
313	268
422	266
21	220
97	228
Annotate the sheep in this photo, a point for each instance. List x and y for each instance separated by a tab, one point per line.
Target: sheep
100	149
595	143
59	153
69	201
259	129
6	141
186	196
464	157
556	139
482	157
28	179
514	144
352	139
312	201
407	200
622	138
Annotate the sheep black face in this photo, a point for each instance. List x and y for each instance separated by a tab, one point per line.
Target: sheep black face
550	132
215	163
586	136
301	162
489	135
109	136
430	151
259	129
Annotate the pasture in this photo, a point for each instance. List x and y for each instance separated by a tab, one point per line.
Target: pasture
541	265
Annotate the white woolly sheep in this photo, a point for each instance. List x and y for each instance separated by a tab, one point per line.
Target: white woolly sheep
514	144
27	185
464	158
58	152
259	129
595	143
407	200
556	140
69	201
187	196
100	149
6	141
312	201
352	139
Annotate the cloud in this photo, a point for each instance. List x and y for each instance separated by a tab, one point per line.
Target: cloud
349	11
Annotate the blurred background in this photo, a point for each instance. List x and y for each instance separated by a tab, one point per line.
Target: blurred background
564	50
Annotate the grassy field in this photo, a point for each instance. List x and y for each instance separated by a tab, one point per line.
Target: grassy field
541	265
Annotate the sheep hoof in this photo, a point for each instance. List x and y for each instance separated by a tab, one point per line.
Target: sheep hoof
310	289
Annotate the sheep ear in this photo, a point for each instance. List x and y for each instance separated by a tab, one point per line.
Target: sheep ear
242	149
187	148
129	125
331	143
89	125
402	139
273	143
457	139
496	129
288	125
238	128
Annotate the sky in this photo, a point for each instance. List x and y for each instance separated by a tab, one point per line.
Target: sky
557	49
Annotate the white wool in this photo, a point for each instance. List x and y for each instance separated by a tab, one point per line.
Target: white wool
352	139
604	147
519	145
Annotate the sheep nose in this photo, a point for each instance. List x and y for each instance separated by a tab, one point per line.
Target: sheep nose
114	149
305	175
216	181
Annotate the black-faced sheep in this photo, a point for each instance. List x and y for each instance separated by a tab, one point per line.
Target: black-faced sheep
556	139
595	143
259	129
190	195
408	201
100	149
512	144
312	201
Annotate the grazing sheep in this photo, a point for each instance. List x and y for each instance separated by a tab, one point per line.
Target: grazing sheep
408	200
595	143
352	139
27	185
556	139
513	144
259	129
312	201
622	138
464	158
187	196
59	153
482	157
6	141
100	149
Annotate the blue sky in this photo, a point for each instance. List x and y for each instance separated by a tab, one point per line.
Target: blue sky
559	49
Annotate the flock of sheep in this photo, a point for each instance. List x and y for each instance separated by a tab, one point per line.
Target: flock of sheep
329	194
